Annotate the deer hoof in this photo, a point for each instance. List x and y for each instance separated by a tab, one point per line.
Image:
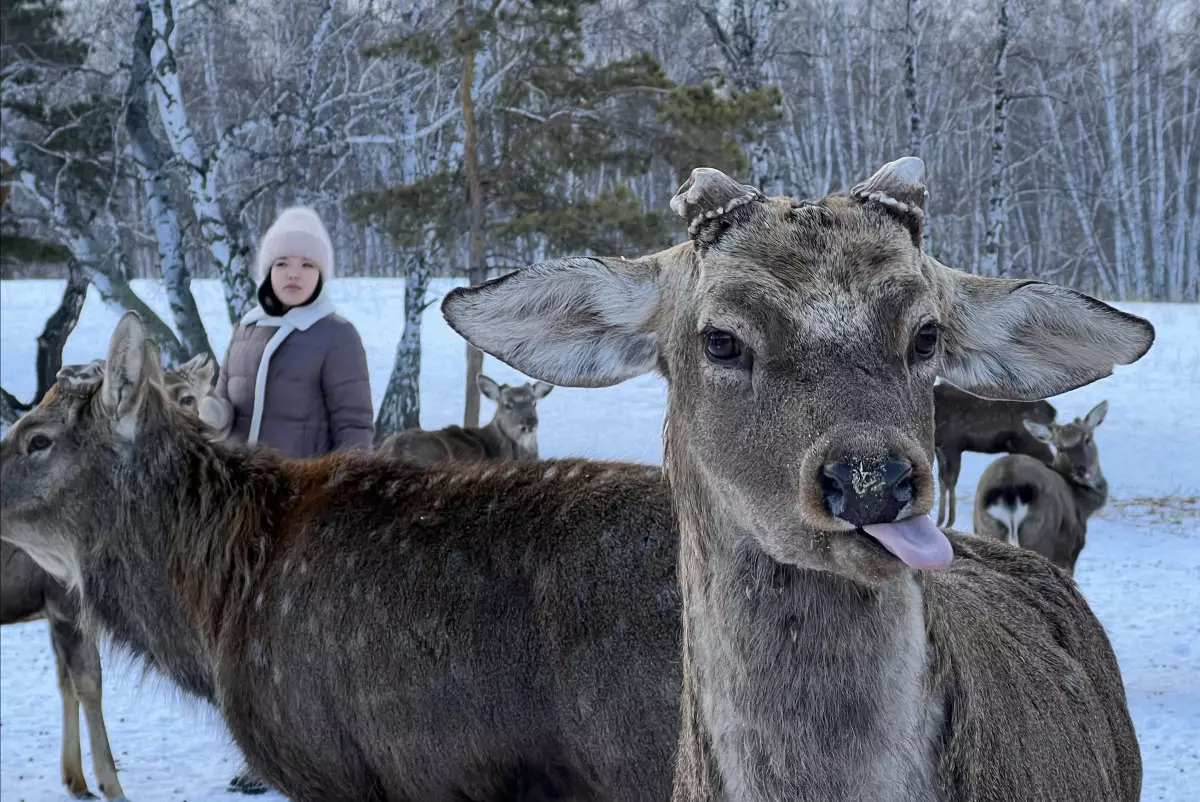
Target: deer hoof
242	784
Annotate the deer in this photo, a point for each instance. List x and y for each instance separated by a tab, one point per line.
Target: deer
29	593
837	645
511	433
1044	508
366	630
966	422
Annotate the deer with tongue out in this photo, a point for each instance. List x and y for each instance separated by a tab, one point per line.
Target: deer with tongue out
837	645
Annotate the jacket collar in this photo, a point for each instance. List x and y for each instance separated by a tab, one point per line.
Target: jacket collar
298	317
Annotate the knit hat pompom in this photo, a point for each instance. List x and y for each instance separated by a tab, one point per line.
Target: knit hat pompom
298	231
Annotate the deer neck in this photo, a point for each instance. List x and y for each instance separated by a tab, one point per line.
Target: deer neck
182	565
806	685
1088	496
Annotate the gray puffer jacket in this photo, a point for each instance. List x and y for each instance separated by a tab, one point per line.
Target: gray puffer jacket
315	394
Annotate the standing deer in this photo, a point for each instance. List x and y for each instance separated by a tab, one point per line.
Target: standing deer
837	645
368	631
1046	509
511	434
28	593
966	422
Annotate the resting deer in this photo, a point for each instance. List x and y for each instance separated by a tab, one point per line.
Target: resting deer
28	593
1046	508
511	434
966	422
837	645
368	630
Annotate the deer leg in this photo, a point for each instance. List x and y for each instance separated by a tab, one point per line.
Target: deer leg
72	756
88	678
953	464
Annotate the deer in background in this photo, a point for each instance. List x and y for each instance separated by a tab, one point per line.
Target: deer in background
29	593
966	422
511	434
1046	508
837	645
367	630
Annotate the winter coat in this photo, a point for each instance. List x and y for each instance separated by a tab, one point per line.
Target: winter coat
298	382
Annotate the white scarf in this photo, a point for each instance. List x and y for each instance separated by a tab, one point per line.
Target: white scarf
297	318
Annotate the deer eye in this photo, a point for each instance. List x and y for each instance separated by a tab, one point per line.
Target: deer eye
723	349
39	442
188	401
926	340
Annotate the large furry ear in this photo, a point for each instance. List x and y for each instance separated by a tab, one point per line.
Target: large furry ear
899	187
154	369
1027	340
199	367
578	322
488	387
1040	431
127	371
1096	416
705	200
541	390
80	381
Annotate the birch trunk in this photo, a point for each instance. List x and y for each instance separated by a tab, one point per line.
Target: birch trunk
477	265
993	263
232	265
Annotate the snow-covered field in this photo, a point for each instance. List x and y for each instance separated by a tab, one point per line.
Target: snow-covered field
1140	570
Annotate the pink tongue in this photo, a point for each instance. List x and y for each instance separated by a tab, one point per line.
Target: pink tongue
915	540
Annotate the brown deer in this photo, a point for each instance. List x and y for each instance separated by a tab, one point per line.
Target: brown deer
28	593
837	645
511	434
966	422
1046	508
368	630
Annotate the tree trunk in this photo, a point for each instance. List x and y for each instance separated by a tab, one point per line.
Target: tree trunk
993	265
477	266
232	265
152	164
401	407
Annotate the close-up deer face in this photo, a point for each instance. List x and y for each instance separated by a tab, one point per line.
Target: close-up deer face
801	341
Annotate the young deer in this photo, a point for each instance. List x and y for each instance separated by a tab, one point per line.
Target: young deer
28	593
966	422
833	649
1046	509
511	434
368	630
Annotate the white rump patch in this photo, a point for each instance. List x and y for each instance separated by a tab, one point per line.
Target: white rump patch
1010	518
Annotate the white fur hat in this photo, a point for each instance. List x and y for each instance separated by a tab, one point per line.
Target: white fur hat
298	231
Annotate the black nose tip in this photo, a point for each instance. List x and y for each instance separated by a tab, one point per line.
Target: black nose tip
861	493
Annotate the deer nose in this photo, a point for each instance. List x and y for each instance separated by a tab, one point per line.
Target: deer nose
531	423
860	493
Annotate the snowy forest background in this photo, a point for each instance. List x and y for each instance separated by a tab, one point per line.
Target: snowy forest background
158	139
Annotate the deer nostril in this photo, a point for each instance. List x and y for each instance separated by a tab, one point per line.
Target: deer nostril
861	493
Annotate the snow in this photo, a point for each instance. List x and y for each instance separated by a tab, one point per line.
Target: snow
1140	570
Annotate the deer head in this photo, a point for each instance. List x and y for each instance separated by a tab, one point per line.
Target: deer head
63	463
188	385
1074	444
801	341
516	407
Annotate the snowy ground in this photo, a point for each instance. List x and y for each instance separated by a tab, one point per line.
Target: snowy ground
1140	570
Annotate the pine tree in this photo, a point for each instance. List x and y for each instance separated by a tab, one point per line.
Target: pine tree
554	158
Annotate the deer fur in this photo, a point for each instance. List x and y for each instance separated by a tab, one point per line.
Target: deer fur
1046	508
801	342
966	422
369	631
28	593
511	434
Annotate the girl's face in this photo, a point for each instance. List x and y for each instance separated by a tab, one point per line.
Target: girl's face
294	279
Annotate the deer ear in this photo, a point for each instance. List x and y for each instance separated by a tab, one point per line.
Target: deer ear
577	322
204	370
154	370
899	187
488	387
126	371
541	390
1040	431
1027	340
706	199
1096	416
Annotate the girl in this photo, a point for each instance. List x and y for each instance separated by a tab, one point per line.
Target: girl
295	375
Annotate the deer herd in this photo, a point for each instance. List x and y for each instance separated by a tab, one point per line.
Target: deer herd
771	615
